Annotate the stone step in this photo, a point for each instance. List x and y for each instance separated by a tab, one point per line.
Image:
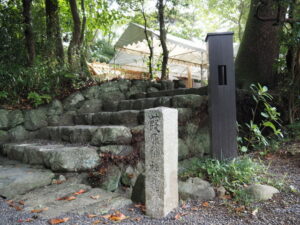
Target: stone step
173	92
92	201
17	178
87	134
57	157
130	118
125	117
192	101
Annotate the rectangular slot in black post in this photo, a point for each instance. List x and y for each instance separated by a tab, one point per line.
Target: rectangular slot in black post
222	75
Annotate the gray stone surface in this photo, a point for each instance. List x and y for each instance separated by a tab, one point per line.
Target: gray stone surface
117	150
18	133
138	192
184	115
111	180
161	159
188	101
125	105
163	101
261	192
126	117
72	134
56	157
84	119
91	92
71	102
101	118
183	150
83	204
55	108
112	135
4	136
196	189
35	119
15	118
4	118
90	106
17	179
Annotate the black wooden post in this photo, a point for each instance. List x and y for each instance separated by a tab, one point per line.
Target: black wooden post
221	94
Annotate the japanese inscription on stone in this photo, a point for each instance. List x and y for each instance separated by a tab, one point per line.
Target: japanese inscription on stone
161	159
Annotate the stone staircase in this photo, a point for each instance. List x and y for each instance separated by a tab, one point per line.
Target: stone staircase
75	140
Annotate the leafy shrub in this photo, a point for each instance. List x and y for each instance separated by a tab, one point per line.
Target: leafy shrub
38	99
259	132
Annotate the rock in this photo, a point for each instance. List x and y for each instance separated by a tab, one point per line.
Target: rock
84	119
66	119
152	89
125	105
4	118
167	85
183	150
71	102
261	192
83	204
112	135
138	191
126	117
221	191
35	119
163	101
124	85
20	179
18	133
184	115
91	92
188	101
110	106
4	136
111	179
129	176
138	134
90	106
15	118
62	178
117	150
55	108
137	87
101	118
196	189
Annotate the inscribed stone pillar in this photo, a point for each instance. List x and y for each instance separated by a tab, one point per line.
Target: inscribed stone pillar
161	161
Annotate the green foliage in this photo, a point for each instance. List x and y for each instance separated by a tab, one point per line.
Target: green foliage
258	133
101	51
294	130
38	99
233	175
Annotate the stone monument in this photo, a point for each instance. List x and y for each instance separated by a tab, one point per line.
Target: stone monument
161	161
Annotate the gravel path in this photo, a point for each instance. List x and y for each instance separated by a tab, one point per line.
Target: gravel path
283	209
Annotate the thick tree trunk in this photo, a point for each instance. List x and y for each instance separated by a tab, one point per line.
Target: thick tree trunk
73	50
163	38
55	45
83	23
259	48
29	37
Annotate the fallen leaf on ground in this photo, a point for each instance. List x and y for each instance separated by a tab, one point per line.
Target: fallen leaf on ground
58	221
117	217
91	215
67	198
228	197
141	207
25	220
18	208
39	210
81	191
138	219
58	181
240	209
131	209
106	216
21	202
97	222
195	209
205	204
178	216
95	197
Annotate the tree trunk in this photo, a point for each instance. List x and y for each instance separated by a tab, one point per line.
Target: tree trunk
74	47
29	37
163	38
259	48
83	23
54	40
